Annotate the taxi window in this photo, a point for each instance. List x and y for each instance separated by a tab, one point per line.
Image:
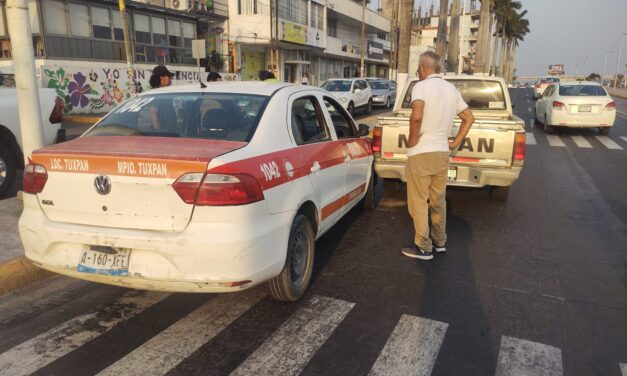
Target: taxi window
213	116
582	91
307	123
342	123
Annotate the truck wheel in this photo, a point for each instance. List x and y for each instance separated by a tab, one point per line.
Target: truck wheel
604	131
8	169
498	193
368	202
548	129
294	279
351	109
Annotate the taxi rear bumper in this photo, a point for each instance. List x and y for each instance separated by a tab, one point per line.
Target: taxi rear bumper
223	256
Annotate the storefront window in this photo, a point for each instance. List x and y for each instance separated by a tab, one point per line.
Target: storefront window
54	13
101	23
79	20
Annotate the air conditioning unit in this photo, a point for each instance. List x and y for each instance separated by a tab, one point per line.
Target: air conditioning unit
177	4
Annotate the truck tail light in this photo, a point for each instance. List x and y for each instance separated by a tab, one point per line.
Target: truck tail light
610	106
519	148
558	105
218	189
377	132
35	178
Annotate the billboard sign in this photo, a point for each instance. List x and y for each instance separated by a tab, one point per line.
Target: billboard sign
375	50
556	70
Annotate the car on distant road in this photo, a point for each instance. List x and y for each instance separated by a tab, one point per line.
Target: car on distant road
576	104
193	189
383	92
352	93
11	157
542	84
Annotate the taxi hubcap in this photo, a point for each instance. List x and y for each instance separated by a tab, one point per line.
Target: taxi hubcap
298	257
3	171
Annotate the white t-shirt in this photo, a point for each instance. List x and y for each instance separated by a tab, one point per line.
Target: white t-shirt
442	103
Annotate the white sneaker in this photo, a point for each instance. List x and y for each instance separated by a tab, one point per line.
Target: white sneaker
438	249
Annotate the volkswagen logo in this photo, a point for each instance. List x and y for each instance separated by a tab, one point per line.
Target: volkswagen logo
102	184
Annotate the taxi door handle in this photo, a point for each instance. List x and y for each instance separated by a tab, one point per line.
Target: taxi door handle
315	167
347	159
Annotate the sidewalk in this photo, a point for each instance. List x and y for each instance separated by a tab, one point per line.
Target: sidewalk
619	92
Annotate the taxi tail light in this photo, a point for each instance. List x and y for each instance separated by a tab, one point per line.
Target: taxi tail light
538	86
218	189
377	132
610	106
35	178
557	105
519	148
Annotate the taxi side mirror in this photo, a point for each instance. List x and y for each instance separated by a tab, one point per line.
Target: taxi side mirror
357	90
364	130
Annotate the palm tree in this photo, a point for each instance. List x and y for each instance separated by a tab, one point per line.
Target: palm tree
504	15
454	42
483	41
440	42
405	21
519	27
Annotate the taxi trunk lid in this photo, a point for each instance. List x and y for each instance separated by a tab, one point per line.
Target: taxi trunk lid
139	172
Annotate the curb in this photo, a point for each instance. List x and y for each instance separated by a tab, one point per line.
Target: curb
20	272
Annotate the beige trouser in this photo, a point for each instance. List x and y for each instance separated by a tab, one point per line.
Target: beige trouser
426	180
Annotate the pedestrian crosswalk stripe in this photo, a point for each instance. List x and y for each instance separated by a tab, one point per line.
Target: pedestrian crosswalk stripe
581	142
624	138
522	357
623	369
37	352
608	142
167	349
412	348
291	347
554	140
531	139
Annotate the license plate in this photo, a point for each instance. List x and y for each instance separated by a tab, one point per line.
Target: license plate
104	260
452	173
585	108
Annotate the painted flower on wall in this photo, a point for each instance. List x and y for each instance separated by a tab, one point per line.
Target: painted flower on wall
93	76
118	94
79	90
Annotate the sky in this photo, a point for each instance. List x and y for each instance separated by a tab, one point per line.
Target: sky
566	32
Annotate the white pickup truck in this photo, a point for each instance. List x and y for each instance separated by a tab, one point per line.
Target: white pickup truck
492	154
11	157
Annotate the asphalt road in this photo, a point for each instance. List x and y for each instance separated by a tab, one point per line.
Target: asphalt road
533	286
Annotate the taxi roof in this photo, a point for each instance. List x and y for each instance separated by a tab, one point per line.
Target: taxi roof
236	87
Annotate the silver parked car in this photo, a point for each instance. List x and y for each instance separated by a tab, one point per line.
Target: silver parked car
383	92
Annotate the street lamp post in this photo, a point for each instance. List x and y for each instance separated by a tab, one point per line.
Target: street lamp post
620	46
604	64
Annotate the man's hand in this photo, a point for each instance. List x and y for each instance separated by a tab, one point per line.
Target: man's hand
452	145
467	120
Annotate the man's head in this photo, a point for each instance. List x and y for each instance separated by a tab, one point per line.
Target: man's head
429	63
265	75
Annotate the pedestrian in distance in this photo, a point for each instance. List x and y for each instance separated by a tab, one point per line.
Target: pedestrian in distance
267	76
161	111
435	102
214	77
304	80
161	77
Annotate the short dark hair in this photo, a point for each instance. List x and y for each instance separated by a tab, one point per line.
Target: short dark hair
213	76
266	75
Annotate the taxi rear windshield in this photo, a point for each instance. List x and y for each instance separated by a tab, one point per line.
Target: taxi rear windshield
582	91
212	116
551	79
478	94
337	85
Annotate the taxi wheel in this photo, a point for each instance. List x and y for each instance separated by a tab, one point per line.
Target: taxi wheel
548	129
604	131
8	169
369	202
294	279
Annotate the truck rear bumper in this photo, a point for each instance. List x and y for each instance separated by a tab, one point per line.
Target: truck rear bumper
467	176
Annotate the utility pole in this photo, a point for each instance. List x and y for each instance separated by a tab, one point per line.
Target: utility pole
460	59
604	64
440	43
404	42
454	46
130	64
362	43
25	76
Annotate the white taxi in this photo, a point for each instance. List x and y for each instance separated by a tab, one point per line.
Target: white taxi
194	189
576	104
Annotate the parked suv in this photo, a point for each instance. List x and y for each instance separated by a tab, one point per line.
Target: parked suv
383	92
352	93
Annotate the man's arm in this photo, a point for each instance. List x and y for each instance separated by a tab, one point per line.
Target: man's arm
415	121
467	120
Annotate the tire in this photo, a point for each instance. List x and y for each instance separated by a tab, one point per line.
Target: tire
535	118
498	193
388	103
369	202
604	131
8	169
369	107
548	129
292	282
351	109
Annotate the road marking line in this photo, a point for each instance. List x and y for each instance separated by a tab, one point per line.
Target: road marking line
608	142
47	347
531	139
554	140
624	138
522	357
623	369
167	349
412	347
581	142
291	347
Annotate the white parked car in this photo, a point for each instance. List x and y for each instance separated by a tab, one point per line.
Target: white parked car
542	84
577	104
192	189
352	93
11	157
383	92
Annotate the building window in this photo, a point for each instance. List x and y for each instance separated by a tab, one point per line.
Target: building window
142	28
54	11
118	32
332	28
188	34
174	32
34	16
2	26
158	31
252	7
295	11
320	16
79	20
101	23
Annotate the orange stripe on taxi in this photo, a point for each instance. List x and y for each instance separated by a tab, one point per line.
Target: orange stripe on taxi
342	201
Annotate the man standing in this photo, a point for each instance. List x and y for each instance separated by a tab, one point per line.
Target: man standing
435	103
